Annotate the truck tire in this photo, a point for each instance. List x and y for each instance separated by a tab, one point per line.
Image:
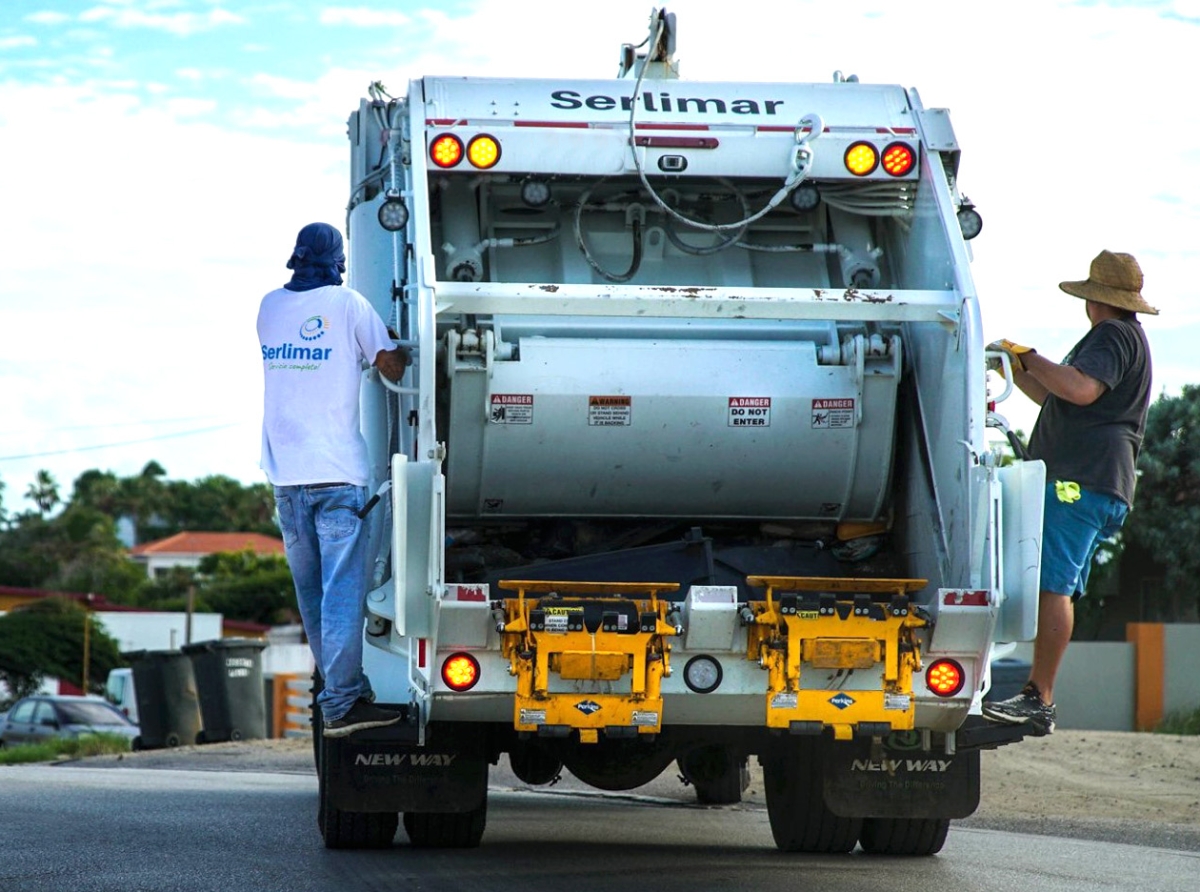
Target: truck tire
903	836
446	830
800	820
356	829
718	776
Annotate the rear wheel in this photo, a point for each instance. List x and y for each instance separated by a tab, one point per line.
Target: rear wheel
718	775
904	836
446	830
355	829
800	820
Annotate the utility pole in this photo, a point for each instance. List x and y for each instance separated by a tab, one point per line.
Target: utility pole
191	604
87	628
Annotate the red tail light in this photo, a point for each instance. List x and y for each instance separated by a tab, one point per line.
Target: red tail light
898	159
460	672
945	678
446	150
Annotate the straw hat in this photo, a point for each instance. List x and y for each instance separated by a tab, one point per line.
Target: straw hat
1115	280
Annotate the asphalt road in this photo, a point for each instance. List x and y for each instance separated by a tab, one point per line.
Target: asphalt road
96	830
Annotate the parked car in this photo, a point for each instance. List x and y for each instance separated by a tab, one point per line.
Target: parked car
46	716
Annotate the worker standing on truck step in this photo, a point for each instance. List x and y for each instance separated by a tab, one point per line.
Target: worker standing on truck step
315	334
1088	433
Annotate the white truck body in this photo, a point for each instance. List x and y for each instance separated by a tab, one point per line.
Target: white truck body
675	490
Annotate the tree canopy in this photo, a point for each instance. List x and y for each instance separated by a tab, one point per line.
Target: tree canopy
1164	526
73	545
46	640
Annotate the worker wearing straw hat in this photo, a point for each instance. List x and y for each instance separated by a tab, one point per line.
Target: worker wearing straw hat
1089	433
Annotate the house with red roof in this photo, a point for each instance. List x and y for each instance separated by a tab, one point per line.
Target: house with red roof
188	548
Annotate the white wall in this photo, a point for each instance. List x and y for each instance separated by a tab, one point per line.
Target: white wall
157	631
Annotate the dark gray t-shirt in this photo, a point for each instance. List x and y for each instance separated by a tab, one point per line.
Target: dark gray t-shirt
1097	446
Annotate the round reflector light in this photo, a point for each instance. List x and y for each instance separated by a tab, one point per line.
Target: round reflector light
535	193
393	213
446	150
805	197
483	151
460	672
861	159
945	678
969	220
898	159
702	674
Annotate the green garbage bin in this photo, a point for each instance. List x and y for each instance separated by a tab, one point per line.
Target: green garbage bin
229	678
167	699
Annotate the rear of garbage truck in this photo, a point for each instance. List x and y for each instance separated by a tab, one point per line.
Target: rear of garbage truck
692	463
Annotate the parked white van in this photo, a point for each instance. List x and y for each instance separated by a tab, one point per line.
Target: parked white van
119	691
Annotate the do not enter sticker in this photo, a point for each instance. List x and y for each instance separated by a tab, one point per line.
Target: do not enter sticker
749	411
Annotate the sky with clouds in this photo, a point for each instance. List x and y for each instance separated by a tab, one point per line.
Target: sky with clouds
158	156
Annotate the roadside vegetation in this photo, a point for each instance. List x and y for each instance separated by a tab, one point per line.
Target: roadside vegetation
1184	722
65	748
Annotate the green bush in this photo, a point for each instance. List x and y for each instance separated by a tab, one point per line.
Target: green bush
65	748
1181	722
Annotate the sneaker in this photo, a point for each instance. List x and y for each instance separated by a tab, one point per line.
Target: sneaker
362	715
1027	708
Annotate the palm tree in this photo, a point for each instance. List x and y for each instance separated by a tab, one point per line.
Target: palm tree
43	492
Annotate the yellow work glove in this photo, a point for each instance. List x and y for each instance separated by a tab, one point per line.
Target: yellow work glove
1013	350
1067	491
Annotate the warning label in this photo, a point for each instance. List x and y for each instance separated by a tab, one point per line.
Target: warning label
749	411
833	413
512	408
610	411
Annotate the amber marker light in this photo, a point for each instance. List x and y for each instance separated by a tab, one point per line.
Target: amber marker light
861	159
898	159
446	150
945	678
483	151
460	672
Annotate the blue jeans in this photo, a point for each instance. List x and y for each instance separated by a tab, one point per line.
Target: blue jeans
326	545
1071	533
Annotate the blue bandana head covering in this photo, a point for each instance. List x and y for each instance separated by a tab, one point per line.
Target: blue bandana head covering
318	258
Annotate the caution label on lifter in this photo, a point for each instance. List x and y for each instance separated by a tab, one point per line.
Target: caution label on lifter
610	411
512	408
749	411
833	413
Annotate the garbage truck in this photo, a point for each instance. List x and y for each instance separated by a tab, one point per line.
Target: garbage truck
694	463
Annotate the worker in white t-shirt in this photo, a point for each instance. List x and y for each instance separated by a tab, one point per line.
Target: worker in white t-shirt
316	336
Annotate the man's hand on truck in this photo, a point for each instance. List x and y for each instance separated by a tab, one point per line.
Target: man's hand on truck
392	363
1013	350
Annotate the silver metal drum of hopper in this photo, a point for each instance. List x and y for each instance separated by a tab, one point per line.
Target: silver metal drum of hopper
661	426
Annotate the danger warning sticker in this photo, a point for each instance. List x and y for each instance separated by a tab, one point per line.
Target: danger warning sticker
833	413
512	408
749	411
610	411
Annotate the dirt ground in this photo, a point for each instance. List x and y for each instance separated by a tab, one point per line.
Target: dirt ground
1134	788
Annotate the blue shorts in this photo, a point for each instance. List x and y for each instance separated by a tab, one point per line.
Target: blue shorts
1071	533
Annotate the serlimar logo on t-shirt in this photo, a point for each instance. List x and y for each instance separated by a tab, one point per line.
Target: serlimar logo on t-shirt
303	358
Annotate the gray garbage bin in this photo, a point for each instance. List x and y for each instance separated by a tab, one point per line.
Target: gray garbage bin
229	678
167	699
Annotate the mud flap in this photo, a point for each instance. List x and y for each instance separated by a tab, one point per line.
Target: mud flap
378	771
866	781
